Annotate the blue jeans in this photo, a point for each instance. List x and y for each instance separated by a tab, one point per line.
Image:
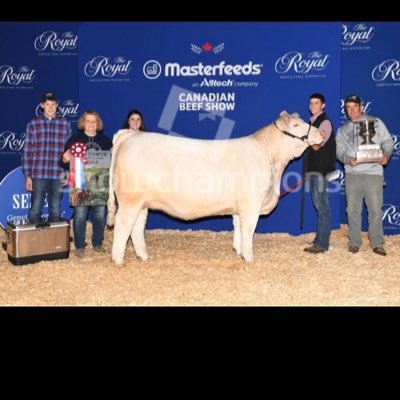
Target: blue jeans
79	225
41	187
319	195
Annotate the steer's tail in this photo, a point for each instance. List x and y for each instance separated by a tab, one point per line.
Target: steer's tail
118	138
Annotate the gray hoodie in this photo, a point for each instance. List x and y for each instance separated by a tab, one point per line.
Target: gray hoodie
347	140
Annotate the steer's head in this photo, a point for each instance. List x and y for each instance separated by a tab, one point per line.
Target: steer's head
302	130
299	134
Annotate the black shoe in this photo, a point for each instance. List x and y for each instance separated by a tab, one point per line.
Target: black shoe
379	250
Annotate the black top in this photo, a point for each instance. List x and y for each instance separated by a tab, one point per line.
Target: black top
100	140
322	160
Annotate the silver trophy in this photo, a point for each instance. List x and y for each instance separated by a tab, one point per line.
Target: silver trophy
367	150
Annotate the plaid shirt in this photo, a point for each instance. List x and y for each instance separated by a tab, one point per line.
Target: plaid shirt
44	145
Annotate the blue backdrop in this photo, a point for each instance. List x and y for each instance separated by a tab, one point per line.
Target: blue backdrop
371	68
249	71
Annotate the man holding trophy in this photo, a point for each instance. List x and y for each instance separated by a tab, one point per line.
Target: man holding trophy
364	146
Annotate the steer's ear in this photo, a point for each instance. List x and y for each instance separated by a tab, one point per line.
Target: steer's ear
284	114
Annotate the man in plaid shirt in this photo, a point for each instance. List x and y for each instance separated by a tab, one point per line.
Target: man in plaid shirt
44	144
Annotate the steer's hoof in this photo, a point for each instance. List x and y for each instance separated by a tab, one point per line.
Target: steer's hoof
237	251
118	262
248	258
143	257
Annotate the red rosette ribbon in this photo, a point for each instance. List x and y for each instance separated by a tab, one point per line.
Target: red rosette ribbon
77	166
78	149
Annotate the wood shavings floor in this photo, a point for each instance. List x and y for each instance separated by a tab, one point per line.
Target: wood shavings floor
200	268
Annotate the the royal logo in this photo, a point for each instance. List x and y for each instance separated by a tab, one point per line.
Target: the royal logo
207	48
51	40
10	141
359	33
386	70
15	77
341	179
105	66
391	214
298	62
396	149
365	108
67	109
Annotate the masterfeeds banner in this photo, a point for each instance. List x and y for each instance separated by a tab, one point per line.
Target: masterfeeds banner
213	81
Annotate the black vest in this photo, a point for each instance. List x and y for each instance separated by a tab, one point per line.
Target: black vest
322	160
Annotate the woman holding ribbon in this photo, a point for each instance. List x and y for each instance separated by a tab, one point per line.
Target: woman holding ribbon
89	137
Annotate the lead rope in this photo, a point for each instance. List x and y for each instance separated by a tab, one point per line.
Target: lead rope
293	187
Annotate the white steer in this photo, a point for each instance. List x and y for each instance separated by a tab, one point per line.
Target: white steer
193	178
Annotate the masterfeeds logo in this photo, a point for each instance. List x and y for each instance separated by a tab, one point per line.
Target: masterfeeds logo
152	69
175	69
298	62
359	33
10	75
388	70
107	67
207	48
54	41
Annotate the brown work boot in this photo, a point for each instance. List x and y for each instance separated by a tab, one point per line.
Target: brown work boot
379	250
353	249
314	249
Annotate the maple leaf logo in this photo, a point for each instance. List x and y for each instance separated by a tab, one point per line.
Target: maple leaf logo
207	48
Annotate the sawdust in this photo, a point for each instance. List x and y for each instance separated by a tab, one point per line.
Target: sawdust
200	268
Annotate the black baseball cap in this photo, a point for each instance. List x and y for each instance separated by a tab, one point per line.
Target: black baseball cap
49	96
353	98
